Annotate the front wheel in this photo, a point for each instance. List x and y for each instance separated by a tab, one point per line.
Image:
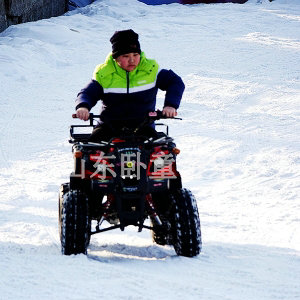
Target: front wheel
74	222
186	229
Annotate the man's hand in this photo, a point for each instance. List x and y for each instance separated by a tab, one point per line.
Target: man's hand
169	112
82	113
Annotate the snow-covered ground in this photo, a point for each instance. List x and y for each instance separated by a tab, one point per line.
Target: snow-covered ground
239	141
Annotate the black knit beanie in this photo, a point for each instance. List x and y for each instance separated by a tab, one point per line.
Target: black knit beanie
125	41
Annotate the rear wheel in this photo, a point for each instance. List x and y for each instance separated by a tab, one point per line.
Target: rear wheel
74	221
64	188
186	229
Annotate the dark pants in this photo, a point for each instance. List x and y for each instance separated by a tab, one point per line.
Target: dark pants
104	132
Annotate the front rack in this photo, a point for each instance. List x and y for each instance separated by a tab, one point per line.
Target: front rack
79	137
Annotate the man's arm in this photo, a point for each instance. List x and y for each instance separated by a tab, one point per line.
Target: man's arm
87	98
170	82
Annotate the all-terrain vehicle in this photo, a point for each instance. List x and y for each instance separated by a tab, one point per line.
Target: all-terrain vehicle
123	182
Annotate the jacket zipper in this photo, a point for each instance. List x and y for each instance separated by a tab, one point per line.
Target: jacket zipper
127	77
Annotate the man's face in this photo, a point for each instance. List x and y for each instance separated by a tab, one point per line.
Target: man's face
128	61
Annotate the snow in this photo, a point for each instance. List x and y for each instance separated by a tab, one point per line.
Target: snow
239	141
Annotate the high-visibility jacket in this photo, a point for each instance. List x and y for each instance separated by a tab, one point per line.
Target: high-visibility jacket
130	95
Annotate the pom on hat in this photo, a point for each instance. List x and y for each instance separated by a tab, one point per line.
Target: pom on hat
125	41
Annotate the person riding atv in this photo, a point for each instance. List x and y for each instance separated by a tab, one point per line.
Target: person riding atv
127	83
125	171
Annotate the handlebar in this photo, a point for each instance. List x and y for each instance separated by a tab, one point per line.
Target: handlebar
154	115
158	114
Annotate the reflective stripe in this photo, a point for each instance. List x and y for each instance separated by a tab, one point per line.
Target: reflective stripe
131	90
142	87
115	90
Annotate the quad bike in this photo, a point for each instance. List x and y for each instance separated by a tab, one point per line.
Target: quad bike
123	182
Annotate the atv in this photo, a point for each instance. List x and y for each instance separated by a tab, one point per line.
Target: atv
123	182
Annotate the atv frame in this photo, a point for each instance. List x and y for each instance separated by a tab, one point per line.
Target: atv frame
125	181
